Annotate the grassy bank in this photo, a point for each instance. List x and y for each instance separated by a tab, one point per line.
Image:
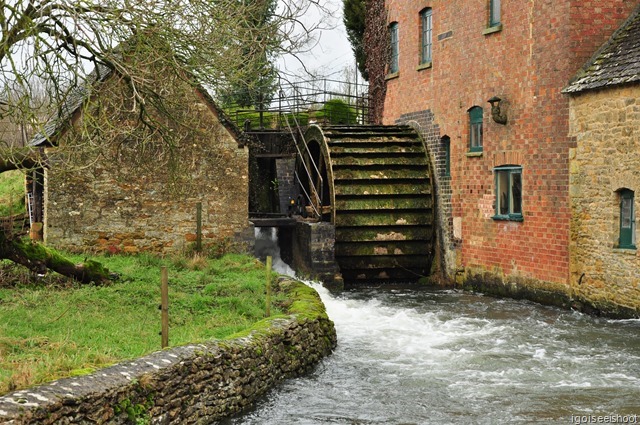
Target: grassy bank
12	193
58	328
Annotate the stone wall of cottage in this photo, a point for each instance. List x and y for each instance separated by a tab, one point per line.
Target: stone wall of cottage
114	185
199	383
606	124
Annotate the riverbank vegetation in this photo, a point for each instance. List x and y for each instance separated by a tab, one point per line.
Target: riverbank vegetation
53	327
12	193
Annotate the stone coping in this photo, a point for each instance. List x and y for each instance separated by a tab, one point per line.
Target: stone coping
196	383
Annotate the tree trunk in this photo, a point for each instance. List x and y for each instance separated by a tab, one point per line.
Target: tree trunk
32	255
39	258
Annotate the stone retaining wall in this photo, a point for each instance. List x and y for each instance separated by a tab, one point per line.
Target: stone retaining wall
198	383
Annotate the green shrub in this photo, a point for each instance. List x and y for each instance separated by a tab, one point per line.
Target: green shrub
337	111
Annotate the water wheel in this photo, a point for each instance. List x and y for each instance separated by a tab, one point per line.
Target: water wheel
374	184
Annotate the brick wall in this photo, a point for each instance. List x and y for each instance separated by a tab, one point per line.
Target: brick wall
423	122
285	168
114	185
527	62
605	124
592	22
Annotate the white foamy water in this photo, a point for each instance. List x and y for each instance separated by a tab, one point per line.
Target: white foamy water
267	244
445	357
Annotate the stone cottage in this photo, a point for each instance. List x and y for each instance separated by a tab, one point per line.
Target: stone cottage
604	172
116	183
482	82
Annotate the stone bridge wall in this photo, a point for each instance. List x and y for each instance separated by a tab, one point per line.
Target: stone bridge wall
198	383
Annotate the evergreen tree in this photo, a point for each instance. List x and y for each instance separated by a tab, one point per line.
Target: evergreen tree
354	21
259	83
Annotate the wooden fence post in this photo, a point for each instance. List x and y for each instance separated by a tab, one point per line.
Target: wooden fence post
199	227
268	300
164	306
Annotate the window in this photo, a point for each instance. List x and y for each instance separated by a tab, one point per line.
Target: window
508	192
427	30
395	48
475	129
446	147
627	220
494	14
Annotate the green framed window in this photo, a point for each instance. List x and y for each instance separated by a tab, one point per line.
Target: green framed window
427	34
446	148
508	183
494	13
395	48
627	220
475	129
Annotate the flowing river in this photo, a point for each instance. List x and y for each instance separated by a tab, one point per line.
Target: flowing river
408	356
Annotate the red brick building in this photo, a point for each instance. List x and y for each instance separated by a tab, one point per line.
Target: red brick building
502	176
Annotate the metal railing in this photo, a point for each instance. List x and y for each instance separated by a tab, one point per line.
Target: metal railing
298	105
306	101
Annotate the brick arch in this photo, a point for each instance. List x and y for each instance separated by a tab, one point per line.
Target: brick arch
425	124
507	158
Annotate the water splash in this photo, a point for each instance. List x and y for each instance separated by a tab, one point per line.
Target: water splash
425	357
267	245
434	357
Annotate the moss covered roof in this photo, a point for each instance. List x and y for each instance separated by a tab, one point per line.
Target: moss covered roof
616	62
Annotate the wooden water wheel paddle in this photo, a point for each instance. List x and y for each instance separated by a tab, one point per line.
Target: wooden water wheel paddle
374	184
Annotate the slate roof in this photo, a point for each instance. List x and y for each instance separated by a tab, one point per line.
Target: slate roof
616	62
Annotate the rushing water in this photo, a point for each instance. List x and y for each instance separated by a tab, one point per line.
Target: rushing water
444	357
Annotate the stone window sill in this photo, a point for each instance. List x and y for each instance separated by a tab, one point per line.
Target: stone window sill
493	29
392	76
628	251
472	154
511	217
422	66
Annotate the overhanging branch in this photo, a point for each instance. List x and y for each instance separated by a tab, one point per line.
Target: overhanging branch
19	159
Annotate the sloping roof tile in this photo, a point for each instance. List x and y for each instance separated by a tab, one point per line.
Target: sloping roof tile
616	62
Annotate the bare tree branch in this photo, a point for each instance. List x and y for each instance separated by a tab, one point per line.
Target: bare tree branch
54	52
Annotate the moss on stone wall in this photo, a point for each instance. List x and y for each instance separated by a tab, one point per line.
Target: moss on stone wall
190	384
546	293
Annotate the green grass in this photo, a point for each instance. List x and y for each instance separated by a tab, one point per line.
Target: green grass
12	191
269	119
57	328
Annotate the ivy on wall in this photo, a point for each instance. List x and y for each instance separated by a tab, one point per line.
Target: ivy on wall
376	47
